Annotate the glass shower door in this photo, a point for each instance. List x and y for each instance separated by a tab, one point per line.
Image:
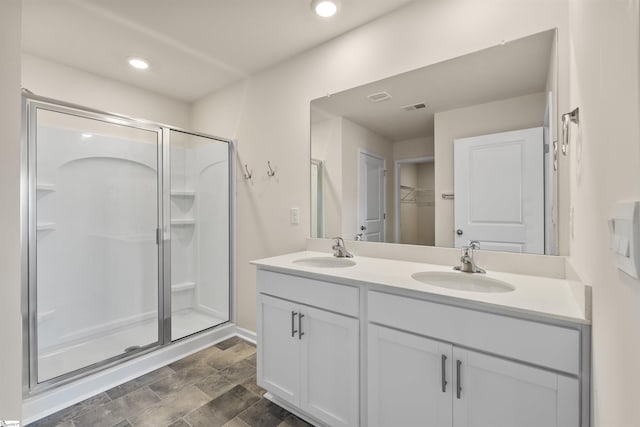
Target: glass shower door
94	215
199	213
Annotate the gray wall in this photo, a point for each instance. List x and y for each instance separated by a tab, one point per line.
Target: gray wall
10	329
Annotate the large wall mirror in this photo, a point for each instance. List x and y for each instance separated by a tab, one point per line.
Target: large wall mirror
459	151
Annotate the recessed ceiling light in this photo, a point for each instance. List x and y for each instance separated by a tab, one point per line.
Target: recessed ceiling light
138	63
325	8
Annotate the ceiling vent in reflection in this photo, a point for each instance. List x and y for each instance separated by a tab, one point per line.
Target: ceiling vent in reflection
412	107
379	97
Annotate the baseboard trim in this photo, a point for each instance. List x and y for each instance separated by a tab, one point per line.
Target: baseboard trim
246	334
295	411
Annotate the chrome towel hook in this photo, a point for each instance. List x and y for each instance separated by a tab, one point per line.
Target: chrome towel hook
573	116
270	172
248	174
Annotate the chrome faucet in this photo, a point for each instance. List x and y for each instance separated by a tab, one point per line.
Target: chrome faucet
467	264
339	250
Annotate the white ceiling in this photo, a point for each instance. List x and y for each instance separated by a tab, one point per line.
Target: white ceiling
517	68
194	46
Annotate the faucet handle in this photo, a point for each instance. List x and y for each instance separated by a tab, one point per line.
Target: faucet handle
474	244
339	249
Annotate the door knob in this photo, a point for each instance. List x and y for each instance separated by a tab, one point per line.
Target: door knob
459	232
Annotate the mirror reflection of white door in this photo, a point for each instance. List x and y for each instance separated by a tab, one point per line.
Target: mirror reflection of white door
499	191
371	197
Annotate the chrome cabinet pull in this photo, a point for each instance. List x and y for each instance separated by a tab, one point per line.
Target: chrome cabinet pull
444	375
300	333
293	327
458	381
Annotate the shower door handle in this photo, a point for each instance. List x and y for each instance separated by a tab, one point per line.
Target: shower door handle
161	236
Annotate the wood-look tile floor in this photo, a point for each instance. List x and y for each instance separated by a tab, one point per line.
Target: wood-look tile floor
214	387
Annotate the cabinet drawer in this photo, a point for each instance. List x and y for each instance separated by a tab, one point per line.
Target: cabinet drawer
329	296
541	344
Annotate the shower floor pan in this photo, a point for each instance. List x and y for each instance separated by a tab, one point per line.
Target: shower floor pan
60	361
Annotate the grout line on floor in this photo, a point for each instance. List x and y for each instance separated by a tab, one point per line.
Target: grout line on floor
259	400
154	393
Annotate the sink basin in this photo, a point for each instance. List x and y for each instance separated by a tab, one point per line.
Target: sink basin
471	282
325	262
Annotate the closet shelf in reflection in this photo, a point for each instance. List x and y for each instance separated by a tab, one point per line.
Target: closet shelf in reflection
46	188
46	226
184	286
183	193
183	222
420	196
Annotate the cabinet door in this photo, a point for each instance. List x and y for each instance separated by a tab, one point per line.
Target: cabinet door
278	361
500	393
410	380
330	367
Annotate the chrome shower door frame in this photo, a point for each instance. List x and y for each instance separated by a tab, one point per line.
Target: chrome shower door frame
29	236
31	103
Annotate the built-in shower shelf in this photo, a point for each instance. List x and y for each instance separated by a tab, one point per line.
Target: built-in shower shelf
46	188
185	194
46	226
183	222
184	286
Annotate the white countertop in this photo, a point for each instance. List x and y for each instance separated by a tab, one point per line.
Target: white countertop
541	296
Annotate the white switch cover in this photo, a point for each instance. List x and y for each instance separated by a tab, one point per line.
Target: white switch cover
294	213
624	236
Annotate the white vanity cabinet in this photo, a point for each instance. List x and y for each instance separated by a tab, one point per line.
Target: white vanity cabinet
415	380
308	346
409	379
351	352
501	393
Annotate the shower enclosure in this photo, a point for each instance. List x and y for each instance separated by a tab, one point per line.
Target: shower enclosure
126	237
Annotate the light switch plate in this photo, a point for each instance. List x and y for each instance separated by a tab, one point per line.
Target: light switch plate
624	236
294	214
